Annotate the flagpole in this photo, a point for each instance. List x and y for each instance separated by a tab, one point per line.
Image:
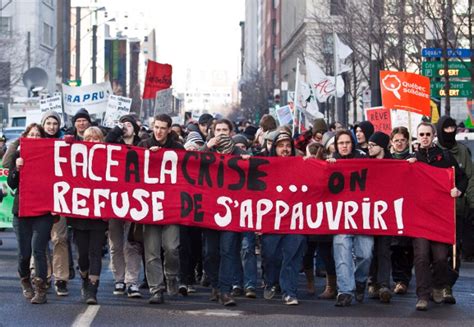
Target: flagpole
335	73
295	97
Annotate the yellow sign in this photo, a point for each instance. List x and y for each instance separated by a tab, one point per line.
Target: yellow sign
434	112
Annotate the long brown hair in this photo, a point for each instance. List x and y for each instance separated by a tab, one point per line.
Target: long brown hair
30	127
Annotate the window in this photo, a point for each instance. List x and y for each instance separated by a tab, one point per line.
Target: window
275	52
4	76
337	7
5	26
48	35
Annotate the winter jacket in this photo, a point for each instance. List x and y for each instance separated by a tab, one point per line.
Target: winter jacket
437	157
10	156
115	135
461	153
169	143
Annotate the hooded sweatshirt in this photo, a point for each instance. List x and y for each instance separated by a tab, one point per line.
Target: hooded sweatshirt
355	154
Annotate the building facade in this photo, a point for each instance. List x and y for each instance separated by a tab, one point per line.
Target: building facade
27	39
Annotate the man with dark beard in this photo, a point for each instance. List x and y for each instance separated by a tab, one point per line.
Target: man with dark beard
282	254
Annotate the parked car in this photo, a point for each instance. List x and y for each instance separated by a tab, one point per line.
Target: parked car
12	133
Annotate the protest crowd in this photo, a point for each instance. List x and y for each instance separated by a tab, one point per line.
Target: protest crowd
52	249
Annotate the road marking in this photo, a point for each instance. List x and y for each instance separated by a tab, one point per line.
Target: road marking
216	313
86	318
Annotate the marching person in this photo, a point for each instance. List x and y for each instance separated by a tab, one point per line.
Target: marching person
321	243
402	247
125	251
349	247
431	258
221	248
51	122
379	279
80	122
282	254
32	233
156	237
446	140
363	132
89	235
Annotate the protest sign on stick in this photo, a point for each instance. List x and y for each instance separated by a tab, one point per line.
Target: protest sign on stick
117	106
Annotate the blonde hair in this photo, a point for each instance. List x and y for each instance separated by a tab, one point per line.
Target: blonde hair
94	132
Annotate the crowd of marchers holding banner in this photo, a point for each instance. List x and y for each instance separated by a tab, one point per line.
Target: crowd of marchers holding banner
177	258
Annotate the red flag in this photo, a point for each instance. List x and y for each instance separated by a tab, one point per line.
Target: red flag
158	77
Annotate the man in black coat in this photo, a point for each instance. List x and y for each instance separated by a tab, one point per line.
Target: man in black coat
431	271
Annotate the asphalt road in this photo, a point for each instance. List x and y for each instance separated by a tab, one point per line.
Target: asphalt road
196	310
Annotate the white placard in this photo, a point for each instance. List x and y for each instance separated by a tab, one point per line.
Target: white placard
284	115
400	118
117	106
91	97
164	101
53	103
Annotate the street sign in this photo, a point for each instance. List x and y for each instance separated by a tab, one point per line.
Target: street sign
76	82
456	89
452	53
435	69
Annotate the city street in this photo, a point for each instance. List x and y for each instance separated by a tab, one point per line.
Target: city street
196	310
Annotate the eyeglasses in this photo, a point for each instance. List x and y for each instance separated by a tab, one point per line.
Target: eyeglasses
399	141
424	134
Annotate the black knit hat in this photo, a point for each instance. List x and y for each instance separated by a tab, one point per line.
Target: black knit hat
205	119
367	128
250	132
81	113
241	139
381	139
131	120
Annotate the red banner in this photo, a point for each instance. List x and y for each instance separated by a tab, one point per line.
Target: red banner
268	195
158	77
407	91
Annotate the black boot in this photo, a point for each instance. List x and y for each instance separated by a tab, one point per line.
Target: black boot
85	284
91	292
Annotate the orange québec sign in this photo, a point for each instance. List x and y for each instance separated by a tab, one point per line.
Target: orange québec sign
406	91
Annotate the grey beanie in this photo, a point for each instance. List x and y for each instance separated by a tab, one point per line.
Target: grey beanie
328	139
50	114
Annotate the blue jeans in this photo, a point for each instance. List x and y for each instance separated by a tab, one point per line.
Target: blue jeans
246	273
346	247
32	235
229	252
283	257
